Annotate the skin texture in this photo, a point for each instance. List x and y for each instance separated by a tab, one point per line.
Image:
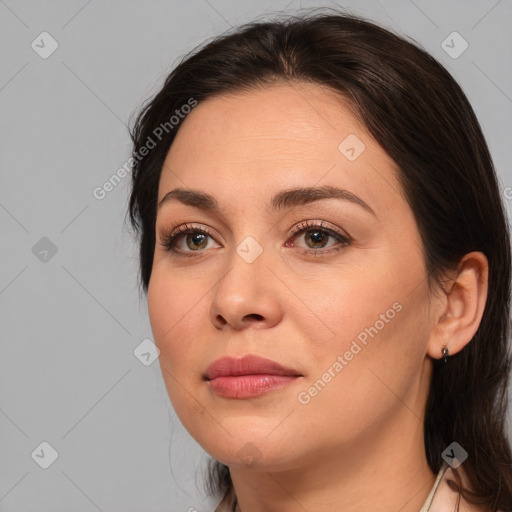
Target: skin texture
358	444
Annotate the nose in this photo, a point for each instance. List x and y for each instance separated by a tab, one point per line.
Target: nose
246	295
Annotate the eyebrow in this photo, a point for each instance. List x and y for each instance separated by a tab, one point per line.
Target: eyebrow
284	199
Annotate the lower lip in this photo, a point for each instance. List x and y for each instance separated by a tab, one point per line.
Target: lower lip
249	386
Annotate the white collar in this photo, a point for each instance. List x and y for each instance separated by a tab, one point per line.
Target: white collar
430	497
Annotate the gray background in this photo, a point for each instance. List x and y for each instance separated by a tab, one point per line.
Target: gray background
71	319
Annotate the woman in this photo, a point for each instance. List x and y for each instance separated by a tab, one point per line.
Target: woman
327	266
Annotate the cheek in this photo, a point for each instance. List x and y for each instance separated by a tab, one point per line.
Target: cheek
349	306
174	307
381	336
374	323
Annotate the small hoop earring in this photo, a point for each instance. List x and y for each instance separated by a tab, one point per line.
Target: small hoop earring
446	353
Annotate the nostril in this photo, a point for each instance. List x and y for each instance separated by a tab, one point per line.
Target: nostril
221	320
253	316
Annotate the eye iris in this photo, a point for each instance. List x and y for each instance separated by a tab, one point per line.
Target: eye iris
199	239
317	237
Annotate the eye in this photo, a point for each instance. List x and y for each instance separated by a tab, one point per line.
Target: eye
317	235
195	239
188	240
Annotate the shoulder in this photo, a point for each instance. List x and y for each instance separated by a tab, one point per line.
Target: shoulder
445	499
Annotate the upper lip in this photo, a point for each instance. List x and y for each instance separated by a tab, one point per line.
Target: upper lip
247	365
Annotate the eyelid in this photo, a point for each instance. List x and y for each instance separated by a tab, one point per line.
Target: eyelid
170	236
321	225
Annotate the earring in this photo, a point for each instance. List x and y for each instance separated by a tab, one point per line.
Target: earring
445	354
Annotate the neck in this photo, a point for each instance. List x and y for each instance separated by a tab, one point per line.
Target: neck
384	470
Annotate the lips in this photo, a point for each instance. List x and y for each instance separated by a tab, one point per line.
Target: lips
247	365
248	377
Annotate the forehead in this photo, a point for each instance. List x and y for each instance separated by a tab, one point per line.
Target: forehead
306	118
258	141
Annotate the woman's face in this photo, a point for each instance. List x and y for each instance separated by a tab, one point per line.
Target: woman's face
333	288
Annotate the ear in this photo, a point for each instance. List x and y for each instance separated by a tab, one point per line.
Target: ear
459	306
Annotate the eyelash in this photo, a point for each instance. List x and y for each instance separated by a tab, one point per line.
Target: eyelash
169	238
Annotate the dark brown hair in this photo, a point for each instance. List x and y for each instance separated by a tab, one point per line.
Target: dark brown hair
420	116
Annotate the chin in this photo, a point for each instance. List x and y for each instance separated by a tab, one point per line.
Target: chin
254	451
